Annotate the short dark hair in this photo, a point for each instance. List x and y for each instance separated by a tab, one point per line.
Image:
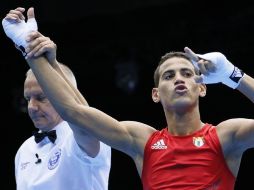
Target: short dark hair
165	57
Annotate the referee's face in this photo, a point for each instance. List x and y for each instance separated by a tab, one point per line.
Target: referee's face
40	109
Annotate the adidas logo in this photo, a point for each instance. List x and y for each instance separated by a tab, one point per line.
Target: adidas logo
236	75
159	145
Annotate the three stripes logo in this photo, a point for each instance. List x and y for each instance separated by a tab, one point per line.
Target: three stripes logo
236	75
159	145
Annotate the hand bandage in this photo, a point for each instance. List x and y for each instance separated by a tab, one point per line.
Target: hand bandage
225	72
17	31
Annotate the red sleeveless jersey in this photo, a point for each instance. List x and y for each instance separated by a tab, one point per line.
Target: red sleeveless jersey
192	162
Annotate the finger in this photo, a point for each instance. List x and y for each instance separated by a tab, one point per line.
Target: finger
17	13
31	52
12	18
40	48
210	67
202	67
191	54
46	47
21	9
198	78
33	35
30	13
34	43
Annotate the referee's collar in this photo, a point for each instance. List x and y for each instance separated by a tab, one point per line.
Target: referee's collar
61	129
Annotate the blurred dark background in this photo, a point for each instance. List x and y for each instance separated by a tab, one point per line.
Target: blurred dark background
113	48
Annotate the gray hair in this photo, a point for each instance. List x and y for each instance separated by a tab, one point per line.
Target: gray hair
66	70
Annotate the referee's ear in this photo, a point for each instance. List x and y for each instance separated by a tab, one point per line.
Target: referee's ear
155	95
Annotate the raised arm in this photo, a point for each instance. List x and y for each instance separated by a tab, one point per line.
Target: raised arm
236	135
39	45
129	137
246	87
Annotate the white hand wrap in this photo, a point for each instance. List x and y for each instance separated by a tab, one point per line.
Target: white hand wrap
225	72
17	31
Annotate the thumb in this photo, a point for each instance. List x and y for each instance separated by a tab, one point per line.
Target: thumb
198	78
30	13
31	22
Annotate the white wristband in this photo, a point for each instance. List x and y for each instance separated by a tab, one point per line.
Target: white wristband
225	73
18	31
234	79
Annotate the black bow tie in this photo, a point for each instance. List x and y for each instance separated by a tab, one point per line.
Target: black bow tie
38	137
